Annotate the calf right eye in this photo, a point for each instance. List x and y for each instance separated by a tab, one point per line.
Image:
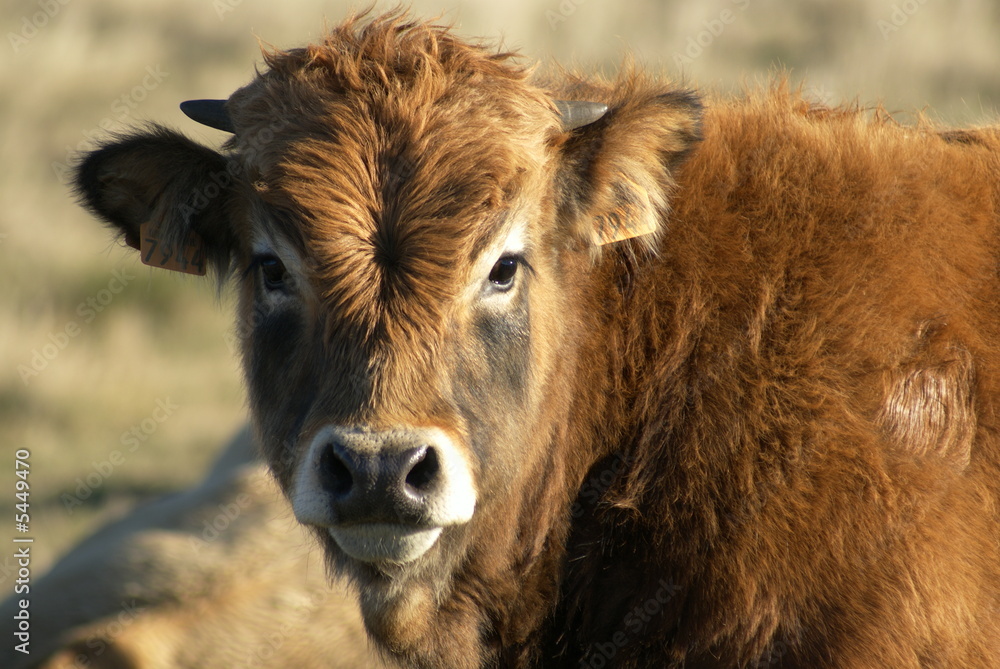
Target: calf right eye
273	273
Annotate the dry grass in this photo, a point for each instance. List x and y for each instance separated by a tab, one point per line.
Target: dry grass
165	336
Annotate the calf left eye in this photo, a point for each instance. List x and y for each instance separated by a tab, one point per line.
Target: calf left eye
503	272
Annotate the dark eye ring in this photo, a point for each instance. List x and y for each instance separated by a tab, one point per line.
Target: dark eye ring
503	272
273	272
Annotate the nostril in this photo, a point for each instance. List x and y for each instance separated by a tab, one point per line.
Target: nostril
335	475
423	471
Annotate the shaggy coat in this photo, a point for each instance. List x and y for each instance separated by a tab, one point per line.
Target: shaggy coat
762	430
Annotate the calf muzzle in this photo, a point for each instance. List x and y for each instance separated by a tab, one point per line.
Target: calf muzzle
383	495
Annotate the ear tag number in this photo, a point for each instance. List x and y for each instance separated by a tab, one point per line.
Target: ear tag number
190	258
632	217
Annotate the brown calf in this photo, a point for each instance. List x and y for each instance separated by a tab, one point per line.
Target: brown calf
686	383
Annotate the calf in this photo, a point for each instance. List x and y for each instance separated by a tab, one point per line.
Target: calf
583	373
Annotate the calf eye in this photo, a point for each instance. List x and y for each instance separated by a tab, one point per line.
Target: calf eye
502	274
273	272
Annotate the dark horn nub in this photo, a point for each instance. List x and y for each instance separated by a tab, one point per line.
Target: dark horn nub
209	112
578	113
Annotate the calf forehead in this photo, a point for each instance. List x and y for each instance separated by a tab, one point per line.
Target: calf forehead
389	191
387	124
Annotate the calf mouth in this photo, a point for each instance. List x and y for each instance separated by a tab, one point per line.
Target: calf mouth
385	543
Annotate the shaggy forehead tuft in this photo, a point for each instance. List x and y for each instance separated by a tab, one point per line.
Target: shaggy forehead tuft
389	153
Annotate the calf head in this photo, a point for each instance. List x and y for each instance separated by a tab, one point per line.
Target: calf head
420	239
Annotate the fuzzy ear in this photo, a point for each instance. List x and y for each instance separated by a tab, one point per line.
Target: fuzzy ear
616	177
166	195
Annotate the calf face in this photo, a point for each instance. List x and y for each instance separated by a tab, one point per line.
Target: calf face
414	229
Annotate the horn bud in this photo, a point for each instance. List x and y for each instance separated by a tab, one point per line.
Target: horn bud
578	113
209	112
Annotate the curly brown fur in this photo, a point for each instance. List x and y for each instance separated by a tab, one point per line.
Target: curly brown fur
764	434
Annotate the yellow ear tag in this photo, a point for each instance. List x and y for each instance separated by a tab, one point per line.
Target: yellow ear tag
633	217
189	258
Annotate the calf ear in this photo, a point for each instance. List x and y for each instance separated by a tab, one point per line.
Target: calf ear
617	173
164	194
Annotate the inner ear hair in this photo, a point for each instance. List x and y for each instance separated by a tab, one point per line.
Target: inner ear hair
618	172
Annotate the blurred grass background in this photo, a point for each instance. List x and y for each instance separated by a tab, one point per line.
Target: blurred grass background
71	72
